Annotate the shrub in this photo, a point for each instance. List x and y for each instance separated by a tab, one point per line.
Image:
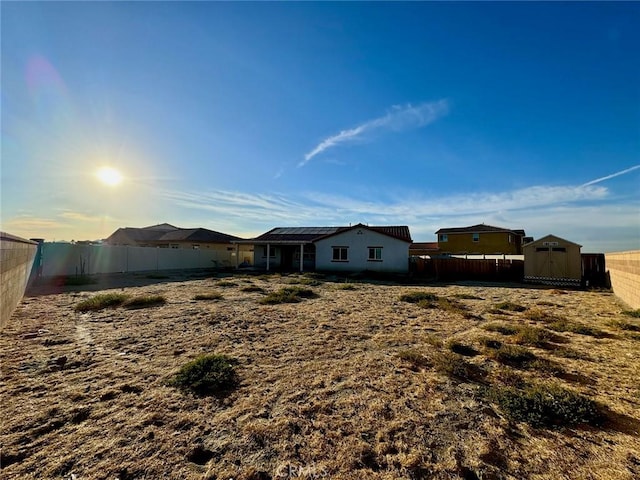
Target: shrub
501	328
458	347
252	288
490	342
546	405
414	358
208	296
144	301
311	282
510	307
562	325
207	375
512	355
467	296
632	313
346	286
104	300
288	295
417	297
625	325
533	336
226	283
539	315
453	365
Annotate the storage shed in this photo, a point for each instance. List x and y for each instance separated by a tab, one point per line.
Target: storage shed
553	261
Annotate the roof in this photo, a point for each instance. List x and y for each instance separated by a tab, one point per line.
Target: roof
479	229
311	234
423	248
552	238
169	233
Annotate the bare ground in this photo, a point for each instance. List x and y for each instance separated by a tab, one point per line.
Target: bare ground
323	393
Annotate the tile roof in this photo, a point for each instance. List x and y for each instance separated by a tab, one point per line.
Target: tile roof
478	229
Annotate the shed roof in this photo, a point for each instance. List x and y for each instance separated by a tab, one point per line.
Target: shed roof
550	238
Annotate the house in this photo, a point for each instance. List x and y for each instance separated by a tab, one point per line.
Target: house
480	239
355	248
165	235
421	249
554	261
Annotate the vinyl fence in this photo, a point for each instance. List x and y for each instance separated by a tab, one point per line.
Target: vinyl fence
63	259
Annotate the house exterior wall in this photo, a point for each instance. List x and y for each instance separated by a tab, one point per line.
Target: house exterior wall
16	258
489	242
624	272
395	253
544	265
260	259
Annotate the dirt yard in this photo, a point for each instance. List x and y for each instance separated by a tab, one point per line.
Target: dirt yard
352	384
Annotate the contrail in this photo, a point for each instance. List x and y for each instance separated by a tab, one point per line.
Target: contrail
617	174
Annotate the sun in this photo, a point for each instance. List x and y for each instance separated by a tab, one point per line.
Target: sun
109	176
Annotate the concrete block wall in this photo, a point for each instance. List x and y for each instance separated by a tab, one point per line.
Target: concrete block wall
16	259
624	271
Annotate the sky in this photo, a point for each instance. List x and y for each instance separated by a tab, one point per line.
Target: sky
242	117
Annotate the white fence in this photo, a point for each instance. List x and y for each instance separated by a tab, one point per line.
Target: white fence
71	259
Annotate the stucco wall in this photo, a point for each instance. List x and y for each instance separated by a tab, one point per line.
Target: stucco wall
395	253
624	271
16	259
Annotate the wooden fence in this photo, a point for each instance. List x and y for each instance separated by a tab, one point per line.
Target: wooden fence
500	270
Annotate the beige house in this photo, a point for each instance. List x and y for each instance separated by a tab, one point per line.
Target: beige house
553	260
165	235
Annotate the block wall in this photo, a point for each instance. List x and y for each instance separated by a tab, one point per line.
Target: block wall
16	260
624	271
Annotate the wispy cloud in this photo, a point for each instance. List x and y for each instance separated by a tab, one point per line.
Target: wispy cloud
398	119
613	175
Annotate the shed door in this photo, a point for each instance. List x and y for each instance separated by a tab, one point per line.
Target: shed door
542	262
558	263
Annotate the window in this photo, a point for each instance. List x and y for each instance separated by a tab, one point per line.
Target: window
443	237
559	249
272	252
542	249
175	245
476	237
196	247
510	238
375	254
340	254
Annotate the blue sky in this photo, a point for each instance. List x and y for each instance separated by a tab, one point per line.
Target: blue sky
240	117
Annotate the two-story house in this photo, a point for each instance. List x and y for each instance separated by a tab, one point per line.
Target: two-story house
480	239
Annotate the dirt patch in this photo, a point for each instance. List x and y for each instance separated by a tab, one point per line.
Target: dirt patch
329	387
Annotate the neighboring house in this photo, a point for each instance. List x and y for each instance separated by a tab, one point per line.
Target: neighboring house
356	248
554	261
168	236
480	239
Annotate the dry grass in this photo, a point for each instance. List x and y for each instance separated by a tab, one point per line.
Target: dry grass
353	384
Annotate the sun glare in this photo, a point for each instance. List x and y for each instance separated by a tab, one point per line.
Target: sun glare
109	176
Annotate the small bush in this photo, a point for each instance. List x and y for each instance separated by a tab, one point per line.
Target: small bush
632	313
501	328
433	340
288	295
489	342
208	296
253	288
467	296
512	355
567	326
510	307
538	337
414	358
460	348
418	297
226	283
144	301
346	286
207	375
625	325
104	300
453	365
539	315
546	405
310	282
